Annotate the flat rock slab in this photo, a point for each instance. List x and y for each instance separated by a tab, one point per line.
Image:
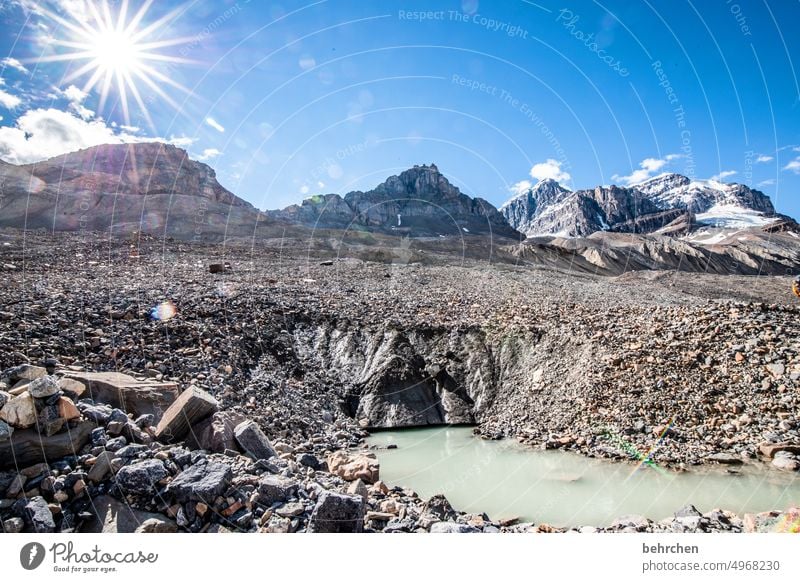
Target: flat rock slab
192	406
126	392
112	516
770	449
26	447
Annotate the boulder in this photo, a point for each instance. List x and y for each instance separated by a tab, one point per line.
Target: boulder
67	409
73	388
352	466
157	524
25	372
274	488
192	406
253	440
452	527
101	467
141	478
112	516
49	422
39	516
725	459
6	431
215	433
4	398
126	392
770	449
785	462
201	482
358	487
26	447
20	411
100	413
43	387
439	507
337	513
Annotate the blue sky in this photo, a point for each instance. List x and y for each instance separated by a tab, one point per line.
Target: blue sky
286	100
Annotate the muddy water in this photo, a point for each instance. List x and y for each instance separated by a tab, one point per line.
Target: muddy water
505	479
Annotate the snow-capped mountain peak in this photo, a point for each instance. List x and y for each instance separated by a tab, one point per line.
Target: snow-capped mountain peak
549	208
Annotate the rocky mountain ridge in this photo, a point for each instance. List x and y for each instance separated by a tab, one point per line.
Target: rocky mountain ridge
547	208
419	201
151	187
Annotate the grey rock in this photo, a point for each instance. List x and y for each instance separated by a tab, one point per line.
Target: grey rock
26	372
13	525
275	488
439	507
141	478
452	527
6	431
688	511
725	459
201	482
337	513
111	516
38	515
97	412
253	441
43	387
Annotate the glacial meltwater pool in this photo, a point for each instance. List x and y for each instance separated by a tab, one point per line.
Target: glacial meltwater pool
505	479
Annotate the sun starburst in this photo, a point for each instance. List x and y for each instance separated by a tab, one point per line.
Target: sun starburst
115	54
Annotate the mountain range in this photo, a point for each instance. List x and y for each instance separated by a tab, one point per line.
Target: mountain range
666	222
669	202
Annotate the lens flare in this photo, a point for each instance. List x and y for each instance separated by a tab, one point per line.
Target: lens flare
164	311
119	52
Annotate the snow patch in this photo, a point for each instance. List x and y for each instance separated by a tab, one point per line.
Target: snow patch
733	216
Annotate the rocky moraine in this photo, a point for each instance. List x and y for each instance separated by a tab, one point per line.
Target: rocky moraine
140	392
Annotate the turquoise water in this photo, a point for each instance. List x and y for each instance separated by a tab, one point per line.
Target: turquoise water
505	479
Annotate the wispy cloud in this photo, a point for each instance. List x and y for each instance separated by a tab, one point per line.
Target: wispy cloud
14	64
208	154
723	174
768	182
763	159
793	166
521	187
215	124
647	168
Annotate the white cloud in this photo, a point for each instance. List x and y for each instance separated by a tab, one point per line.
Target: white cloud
209	153
793	166
768	182
44	133
304	189
320	184
723	174
762	159
521	187
14	64
647	167
551	169
8	100
215	124
75	96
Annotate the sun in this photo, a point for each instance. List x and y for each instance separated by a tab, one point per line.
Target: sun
116	54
